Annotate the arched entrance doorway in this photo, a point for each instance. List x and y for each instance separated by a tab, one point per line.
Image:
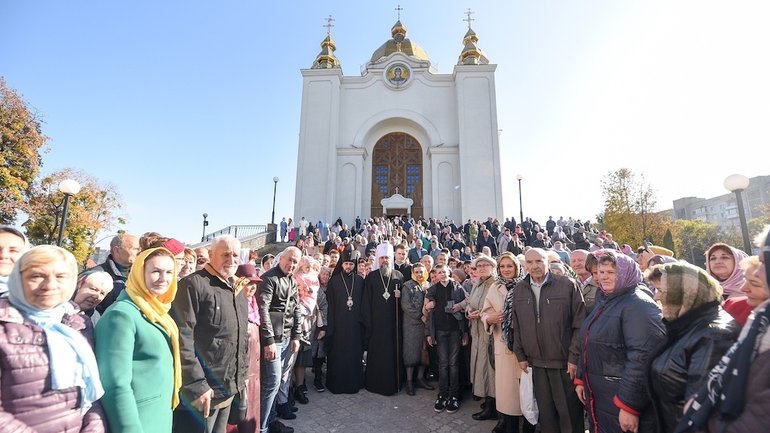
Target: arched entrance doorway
397	169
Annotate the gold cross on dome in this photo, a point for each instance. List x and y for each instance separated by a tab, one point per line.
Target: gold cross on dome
469	12
329	25
398	10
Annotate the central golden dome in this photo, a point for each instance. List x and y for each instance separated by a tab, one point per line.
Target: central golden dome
399	43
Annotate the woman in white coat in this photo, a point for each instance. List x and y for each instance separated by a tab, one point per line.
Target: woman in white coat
507	371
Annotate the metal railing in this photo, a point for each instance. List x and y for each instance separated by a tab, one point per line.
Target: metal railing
239	232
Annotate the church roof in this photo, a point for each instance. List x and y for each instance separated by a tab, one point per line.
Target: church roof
471	54
399	43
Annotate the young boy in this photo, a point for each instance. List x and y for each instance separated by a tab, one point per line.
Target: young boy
446	329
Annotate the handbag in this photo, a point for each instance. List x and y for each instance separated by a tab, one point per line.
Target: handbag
527	397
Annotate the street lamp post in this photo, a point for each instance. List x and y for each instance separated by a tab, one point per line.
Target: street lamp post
69	187
737	183
521	209
205	223
275	187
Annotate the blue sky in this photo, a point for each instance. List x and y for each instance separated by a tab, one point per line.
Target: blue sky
193	106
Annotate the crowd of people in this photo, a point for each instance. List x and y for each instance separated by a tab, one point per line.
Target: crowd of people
162	338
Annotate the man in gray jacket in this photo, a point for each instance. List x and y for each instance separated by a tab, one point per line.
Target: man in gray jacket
547	313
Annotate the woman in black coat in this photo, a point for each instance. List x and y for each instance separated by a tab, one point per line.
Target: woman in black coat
698	331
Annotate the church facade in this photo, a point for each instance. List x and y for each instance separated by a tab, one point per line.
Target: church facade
400	138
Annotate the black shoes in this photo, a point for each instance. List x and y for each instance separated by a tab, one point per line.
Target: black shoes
278	427
409	388
440	405
488	411
300	394
453	405
284	411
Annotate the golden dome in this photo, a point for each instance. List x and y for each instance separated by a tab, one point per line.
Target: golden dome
406	46
471	54
326	58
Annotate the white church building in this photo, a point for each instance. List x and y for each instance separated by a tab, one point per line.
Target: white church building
399	138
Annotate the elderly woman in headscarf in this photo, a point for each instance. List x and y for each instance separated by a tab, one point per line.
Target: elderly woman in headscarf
722	263
615	345
507	370
481	371
248	406
137	346
736	396
698	333
49	380
12	245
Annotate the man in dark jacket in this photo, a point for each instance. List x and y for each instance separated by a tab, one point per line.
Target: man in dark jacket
486	240
279	334
548	311
123	251
213	341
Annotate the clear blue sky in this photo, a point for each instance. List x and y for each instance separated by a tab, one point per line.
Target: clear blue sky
193	106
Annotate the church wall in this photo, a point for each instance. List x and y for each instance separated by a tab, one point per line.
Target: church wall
479	148
347	191
446	195
318	136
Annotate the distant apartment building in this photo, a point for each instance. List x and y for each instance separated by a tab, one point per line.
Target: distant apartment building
723	210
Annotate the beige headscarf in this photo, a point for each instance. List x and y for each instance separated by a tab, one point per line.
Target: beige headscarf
686	287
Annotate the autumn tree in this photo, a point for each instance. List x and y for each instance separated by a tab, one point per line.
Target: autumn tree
91	211
630	209
693	238
21	142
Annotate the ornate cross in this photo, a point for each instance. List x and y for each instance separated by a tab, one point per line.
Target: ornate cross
329	25
469	12
398	10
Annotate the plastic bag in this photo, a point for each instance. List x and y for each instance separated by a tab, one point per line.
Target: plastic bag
527	396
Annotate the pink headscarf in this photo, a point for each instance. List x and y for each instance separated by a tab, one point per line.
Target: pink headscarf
732	285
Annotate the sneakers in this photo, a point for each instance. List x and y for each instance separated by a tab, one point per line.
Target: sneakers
440	404
318	383
453	405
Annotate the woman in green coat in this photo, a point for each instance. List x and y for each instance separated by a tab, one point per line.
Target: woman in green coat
137	348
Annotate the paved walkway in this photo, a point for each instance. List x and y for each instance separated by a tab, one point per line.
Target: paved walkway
373	413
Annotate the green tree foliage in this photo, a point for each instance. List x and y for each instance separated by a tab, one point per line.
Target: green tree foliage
21	142
629	209
693	238
668	240
91	211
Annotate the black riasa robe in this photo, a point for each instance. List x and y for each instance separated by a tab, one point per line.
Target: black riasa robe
344	336
382	328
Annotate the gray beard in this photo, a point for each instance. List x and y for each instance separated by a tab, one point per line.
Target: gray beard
385	271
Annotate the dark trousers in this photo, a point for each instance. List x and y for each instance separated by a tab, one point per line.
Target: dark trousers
560	409
188	420
448	346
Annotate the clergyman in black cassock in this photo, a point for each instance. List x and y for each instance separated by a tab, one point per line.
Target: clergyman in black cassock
381	316
344	330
